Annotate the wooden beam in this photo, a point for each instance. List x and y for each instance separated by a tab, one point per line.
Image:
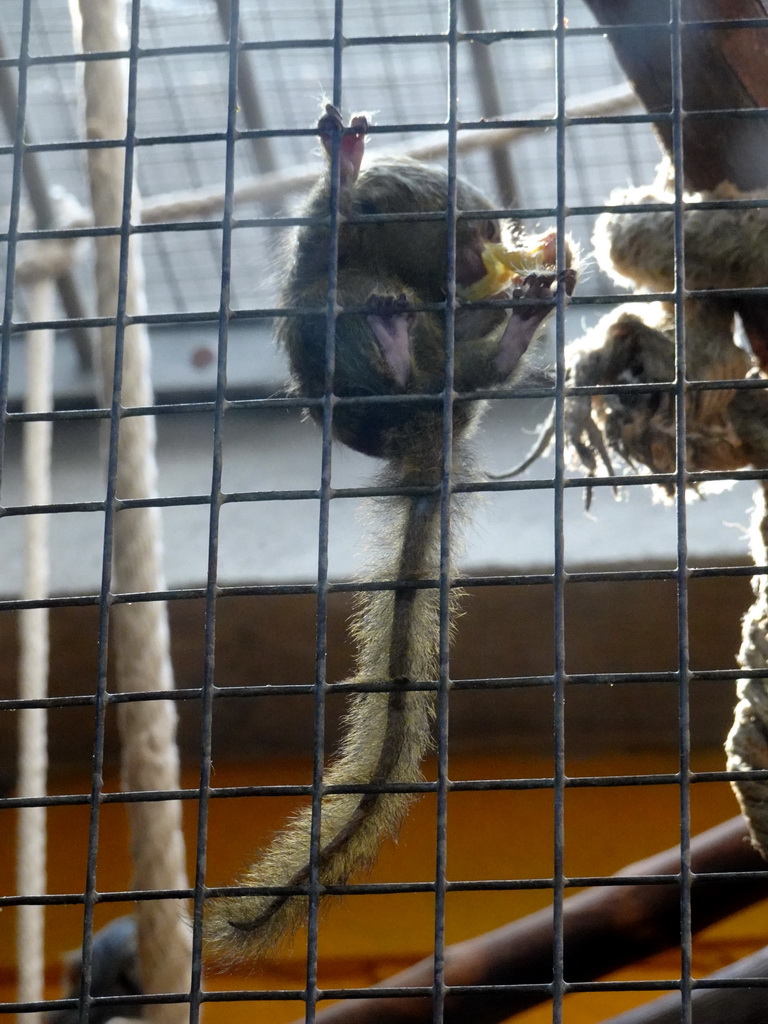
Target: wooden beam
636	634
737	1005
722	69
604	928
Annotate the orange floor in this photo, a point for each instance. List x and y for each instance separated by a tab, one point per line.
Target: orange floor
365	938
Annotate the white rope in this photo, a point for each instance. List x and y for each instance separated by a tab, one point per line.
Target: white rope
204	202
148	729
51	257
747	743
31	878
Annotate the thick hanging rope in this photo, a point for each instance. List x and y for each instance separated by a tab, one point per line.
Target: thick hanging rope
747	743
148	729
726	429
31	875
37	267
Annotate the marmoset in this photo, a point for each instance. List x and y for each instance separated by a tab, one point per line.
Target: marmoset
387	344
726	428
114	972
724	248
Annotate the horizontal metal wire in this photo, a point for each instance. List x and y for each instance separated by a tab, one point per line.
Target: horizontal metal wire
502	213
389	992
391	888
479	36
462	786
463	583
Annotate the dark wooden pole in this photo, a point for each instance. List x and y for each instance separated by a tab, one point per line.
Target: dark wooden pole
490	97
737	1005
605	927
722	69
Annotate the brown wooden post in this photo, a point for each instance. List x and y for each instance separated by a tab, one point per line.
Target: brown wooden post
722	69
605	927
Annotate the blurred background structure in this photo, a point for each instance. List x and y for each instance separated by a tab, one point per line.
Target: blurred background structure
621	602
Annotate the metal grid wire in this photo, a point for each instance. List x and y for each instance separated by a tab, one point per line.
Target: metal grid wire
187	127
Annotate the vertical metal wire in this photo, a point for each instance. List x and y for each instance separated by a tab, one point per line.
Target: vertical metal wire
676	57
559	778
13	224
110	508
321	613
446	484
211	590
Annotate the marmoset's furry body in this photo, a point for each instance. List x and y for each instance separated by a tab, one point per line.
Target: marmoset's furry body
385	345
726	428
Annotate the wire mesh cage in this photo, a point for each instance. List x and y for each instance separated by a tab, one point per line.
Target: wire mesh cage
242	659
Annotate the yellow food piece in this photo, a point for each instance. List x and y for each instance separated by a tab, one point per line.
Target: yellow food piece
502	266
